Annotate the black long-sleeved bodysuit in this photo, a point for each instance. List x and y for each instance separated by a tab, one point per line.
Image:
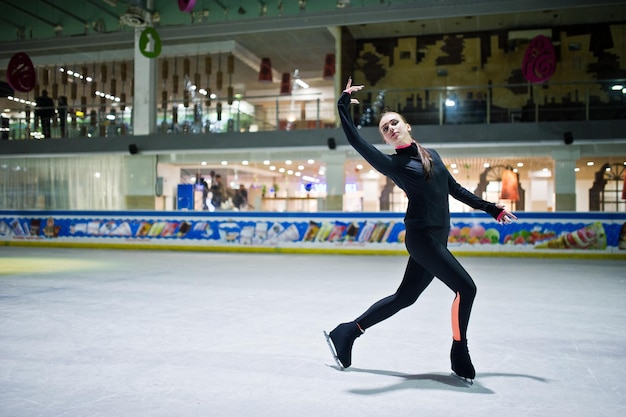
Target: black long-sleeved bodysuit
427	223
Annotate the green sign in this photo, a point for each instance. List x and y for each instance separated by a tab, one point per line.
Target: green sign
150	43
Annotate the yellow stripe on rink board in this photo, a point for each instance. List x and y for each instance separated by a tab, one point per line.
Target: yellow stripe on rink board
42	265
312	251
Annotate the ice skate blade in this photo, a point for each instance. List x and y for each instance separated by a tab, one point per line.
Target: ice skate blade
463	379
332	350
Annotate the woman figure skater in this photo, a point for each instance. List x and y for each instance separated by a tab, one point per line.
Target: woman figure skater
427	183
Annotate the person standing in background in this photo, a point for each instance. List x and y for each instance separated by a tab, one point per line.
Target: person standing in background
206	190
219	192
44	111
241	198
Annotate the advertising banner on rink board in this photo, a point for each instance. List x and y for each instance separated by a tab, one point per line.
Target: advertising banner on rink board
533	233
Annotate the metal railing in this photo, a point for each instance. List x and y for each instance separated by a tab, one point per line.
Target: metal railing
481	104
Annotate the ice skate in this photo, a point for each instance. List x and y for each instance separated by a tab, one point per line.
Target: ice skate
332	350
461	362
340	341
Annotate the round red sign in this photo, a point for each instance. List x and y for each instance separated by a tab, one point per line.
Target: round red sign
539	60
21	73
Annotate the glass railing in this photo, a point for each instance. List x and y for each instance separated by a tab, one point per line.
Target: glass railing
510	103
483	104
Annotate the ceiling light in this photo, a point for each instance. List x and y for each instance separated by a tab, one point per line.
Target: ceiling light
301	83
297	81
266	162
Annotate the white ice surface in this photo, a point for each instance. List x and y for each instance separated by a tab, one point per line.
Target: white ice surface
177	334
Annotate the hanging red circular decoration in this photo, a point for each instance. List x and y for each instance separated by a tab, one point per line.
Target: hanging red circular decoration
186	5
539	60
21	74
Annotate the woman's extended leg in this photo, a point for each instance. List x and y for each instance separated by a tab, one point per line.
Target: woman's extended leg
415	280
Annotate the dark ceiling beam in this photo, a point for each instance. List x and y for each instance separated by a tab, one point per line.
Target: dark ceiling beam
28	13
20	31
64	11
104	9
11	23
219	3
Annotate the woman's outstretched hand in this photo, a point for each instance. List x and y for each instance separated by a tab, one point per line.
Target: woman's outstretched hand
351	89
506	216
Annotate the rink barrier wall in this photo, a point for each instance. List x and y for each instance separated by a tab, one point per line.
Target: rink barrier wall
568	234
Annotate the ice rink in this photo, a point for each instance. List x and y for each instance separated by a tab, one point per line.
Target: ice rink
175	334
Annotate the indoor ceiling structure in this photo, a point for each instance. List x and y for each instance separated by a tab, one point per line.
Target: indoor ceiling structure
294	34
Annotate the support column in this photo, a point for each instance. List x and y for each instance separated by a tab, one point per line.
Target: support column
144	100
140	182
335	160
565	178
335	179
371	191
